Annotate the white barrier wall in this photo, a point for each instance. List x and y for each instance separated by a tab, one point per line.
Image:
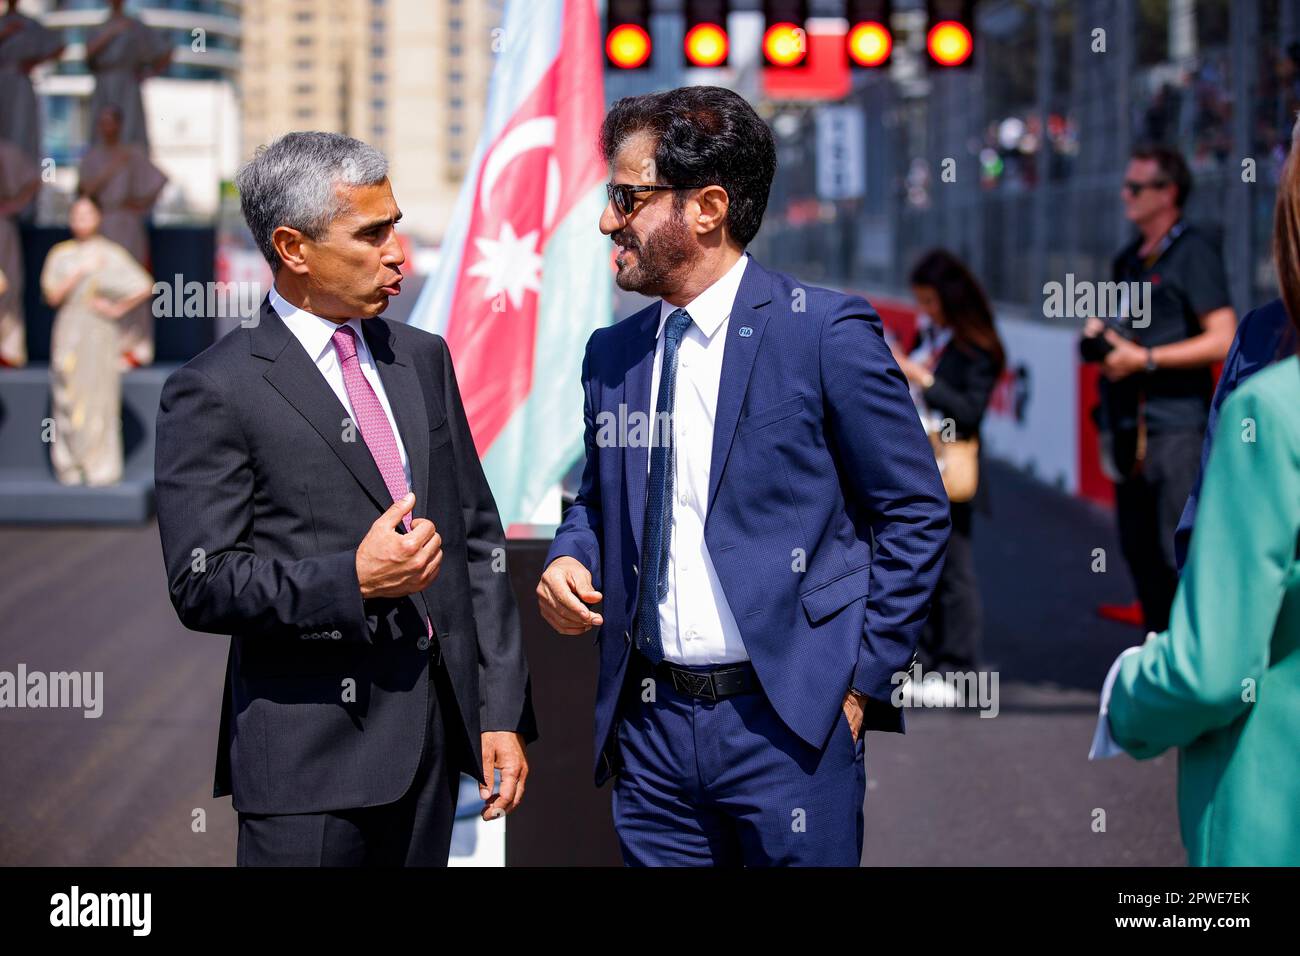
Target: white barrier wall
1033	419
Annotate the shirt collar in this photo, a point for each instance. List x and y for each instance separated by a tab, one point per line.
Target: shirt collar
710	308
315	333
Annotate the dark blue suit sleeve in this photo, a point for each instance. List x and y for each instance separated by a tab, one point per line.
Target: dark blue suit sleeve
1229	379
891	477
578	536
1264	336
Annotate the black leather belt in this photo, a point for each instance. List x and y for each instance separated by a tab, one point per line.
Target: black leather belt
724	680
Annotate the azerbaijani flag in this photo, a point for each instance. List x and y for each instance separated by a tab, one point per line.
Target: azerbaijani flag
524	276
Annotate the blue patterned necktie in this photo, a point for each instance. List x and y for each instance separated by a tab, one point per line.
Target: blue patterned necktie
658	529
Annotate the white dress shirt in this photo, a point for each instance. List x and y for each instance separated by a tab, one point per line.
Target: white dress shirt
696	625
1103	744
316	335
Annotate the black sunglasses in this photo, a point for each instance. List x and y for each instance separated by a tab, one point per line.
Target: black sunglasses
1134	188
624	194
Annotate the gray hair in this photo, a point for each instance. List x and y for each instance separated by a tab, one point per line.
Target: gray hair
291	183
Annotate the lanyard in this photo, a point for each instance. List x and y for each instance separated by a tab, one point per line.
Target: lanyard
1163	245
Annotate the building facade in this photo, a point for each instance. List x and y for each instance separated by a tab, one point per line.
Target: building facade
409	76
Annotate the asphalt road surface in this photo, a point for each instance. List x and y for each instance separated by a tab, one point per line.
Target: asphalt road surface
133	785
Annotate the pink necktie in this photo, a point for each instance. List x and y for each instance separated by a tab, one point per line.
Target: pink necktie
371	420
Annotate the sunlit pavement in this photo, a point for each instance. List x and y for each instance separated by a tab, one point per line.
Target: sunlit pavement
957	789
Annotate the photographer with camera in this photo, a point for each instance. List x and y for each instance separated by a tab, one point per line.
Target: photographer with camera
1157	382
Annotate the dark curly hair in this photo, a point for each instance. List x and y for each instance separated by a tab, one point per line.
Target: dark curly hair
704	135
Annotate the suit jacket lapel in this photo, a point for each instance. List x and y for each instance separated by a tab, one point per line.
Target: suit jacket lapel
405	397
637	399
295	376
737	364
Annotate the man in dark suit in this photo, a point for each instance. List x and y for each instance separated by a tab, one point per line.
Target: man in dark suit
1264	336
321	500
760	512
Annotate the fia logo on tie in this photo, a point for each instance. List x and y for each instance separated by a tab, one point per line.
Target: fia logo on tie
746	331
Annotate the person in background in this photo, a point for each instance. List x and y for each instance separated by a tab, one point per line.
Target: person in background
1264	336
122	53
92	282
20	181
125	186
1222	683
963	360
25	43
1157	384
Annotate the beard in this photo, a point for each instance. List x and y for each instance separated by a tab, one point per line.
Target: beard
666	254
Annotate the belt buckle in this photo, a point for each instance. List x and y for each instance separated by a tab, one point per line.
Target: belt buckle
696	685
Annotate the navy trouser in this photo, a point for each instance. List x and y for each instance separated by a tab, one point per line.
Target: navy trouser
726	783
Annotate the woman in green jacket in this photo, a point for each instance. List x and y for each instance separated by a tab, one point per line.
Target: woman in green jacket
1223	682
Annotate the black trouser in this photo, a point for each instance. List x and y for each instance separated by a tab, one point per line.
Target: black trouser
412	831
953	634
1147	508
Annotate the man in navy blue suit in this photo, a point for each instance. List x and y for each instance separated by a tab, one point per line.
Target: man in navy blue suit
760	513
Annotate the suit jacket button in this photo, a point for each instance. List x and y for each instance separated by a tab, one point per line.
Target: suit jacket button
423	642
627	637
634	570
337	635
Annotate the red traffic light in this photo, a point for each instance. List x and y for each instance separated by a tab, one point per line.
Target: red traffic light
785	44
949	43
706	45
627	46
869	44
